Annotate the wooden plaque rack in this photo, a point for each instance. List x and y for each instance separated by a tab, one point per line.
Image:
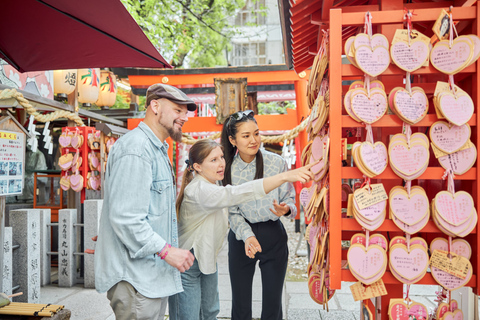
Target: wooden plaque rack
431	180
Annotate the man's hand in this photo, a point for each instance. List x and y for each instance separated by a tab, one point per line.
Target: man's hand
180	259
279	209
252	247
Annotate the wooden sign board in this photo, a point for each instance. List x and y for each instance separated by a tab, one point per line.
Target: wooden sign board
230	97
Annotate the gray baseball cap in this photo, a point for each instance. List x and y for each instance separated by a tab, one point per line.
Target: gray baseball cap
160	90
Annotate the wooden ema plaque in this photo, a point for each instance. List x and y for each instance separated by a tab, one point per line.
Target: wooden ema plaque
390	124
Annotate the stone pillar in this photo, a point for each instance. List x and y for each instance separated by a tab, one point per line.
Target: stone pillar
67	274
25	225
7	261
92	209
45	245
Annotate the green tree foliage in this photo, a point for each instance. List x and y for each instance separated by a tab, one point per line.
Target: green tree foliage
275	107
196	31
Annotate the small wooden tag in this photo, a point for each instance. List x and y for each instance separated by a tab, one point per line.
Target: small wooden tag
366	198
456	266
361	292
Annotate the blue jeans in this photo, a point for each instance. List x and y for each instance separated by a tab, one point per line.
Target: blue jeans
199	300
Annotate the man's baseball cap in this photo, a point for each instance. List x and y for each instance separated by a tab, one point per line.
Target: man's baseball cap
160	90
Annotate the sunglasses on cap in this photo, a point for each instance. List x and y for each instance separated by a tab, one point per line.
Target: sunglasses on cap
242	114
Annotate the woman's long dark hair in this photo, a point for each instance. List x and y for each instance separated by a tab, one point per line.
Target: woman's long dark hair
230	129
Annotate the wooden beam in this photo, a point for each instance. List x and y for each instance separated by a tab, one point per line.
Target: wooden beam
301	24
308	42
316	18
317	5
298	7
39	102
364	8
208	124
303	66
464	3
301	33
253	78
386	17
305	40
326	6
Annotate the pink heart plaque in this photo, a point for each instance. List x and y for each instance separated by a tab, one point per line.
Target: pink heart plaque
455	209
369	108
409	265
409	58
459	246
64	140
458	110
400	311
367	264
451	60
372	213
408	161
455	315
372	62
374	157
409	210
449	138
461	161
413	107
449	281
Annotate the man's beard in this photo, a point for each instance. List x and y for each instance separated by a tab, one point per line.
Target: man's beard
175	135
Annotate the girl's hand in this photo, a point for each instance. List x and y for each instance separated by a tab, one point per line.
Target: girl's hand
279	209
302	174
252	247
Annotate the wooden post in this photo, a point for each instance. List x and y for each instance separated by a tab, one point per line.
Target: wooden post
476	99
335	161
2	233
73	198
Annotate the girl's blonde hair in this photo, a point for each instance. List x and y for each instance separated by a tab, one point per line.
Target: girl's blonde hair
197	154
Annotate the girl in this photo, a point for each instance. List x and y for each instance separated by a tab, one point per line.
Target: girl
202	224
254	225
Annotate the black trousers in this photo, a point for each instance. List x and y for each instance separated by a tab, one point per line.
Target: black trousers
273	266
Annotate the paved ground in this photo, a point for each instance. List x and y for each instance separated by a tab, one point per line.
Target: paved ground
88	304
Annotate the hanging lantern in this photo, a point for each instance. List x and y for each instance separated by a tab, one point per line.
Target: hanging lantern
108	89
64	82
88	85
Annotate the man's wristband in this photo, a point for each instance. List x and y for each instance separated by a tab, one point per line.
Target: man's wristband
163	254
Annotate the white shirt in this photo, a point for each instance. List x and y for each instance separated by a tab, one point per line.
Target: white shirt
203	222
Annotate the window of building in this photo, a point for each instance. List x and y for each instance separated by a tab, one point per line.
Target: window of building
249	54
254	12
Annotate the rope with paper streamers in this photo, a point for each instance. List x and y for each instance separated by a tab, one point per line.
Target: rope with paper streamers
12	93
289	135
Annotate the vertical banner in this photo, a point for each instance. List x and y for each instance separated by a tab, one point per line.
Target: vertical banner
12	151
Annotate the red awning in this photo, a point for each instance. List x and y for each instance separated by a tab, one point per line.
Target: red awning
63	34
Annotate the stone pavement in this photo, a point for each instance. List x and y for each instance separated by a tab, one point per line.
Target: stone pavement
297	305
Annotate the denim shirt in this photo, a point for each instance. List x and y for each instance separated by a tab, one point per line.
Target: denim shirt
138	217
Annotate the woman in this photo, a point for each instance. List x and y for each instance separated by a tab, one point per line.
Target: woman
256	233
202	224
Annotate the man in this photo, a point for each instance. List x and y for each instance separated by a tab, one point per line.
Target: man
137	259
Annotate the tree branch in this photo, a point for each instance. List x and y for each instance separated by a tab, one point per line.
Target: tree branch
200	19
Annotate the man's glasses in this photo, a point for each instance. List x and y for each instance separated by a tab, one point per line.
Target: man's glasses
242	114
